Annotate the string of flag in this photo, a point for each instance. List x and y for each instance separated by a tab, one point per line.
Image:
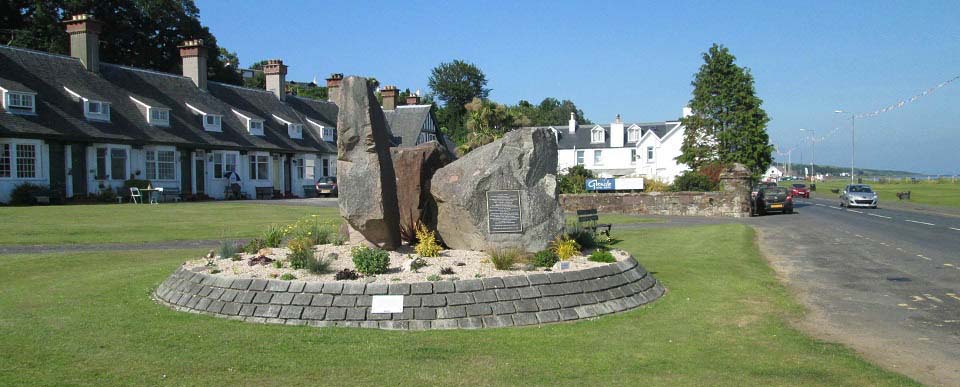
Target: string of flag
906	101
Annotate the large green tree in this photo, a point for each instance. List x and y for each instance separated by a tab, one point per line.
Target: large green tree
550	111
139	33
727	125
456	84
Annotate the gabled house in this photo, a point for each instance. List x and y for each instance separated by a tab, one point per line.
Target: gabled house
411	124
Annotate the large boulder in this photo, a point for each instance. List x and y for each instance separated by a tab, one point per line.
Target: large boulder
415	167
523	161
366	179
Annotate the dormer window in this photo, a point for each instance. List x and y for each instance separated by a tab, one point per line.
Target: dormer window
159	117
255	127
295	130
15	102
97	110
597	136
328	134
633	135
211	122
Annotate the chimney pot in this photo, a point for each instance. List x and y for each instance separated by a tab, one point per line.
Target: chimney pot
84	34
194	57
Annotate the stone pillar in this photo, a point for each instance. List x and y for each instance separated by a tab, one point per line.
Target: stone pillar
735	181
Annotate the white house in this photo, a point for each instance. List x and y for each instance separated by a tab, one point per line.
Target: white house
772	174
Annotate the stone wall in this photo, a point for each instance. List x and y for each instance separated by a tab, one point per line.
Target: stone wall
660	203
475	303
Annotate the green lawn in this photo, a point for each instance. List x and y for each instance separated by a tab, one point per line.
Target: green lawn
87	319
924	192
127	223
617	219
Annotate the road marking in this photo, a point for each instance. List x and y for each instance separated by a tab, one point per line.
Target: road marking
858	235
899	249
951	321
948	264
921	256
903	305
859	212
821	205
953	296
931	297
918	298
919	222
954	228
880	216
835	208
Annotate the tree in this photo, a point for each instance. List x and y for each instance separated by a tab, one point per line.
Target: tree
135	33
486	122
574	180
727	125
456	84
549	112
258	80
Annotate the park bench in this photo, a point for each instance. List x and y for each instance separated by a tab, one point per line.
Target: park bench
172	192
587	220
903	195
309	191
264	193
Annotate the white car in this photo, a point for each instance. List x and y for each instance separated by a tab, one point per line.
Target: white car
858	195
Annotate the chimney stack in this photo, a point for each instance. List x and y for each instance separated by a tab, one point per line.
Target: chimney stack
333	88
276	74
616	133
194	56
687	111
85	40
413	99
573	123
389	94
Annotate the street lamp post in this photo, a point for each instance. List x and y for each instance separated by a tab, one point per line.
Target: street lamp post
853	139
813	146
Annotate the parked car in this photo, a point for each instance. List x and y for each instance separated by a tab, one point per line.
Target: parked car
771	199
756	188
327	186
858	195
800	190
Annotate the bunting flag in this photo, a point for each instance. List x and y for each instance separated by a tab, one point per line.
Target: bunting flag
906	101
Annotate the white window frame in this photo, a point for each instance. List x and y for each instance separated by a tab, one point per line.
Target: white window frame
162	118
20	106
254	159
216	126
327	133
222	156
14	156
295	131
252	130
103	113
597	136
580	157
598	157
633	135
633	156
650	154
155	169
108	162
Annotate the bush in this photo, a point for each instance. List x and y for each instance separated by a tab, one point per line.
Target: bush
274	235
277	264
602	256
545	258
503	259
692	181
346	274
433	278
318	266
655	185
319	233
446	270
712	172
564	247
585	238
301	253
228	249
254	246
574	180
417	264
288	277
428	246
24	194
370	261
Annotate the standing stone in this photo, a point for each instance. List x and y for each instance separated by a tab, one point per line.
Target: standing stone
524	160
366	179
415	167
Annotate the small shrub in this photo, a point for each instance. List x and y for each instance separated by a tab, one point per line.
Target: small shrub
215	271
272	275
433	278
602	239
274	235
692	181
228	249
417	264
318	266
602	256
254	246
236	258
654	185
545	258
337	239
346	274
446	270
288	277
262	260
277	264
301	253
504	259
427	245
24	194
584	237
564	247
370	261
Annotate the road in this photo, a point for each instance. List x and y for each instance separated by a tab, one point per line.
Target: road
884	281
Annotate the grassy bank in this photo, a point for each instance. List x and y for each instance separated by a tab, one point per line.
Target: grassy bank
933	193
87	319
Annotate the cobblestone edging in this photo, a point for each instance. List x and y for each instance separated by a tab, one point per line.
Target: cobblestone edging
474	303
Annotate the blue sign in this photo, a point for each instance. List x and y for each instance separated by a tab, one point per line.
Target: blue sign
600	184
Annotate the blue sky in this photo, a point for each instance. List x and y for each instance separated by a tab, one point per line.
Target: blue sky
638	58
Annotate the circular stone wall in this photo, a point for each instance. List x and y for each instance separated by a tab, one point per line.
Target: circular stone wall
474	303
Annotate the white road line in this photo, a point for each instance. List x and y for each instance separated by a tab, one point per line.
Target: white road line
919	222
921	256
954	228
835	208
821	205
885	217
859	212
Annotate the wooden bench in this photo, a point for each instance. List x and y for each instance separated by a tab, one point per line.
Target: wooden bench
903	195
309	191
587	220
173	192
264	192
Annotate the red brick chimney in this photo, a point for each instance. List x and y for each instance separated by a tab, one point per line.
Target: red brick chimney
413	99
389	94
194	56
85	40
333	88
276	74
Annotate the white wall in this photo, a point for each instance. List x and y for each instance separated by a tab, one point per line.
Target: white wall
664	166
43	171
611	159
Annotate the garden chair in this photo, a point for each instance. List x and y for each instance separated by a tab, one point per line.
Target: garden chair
135	196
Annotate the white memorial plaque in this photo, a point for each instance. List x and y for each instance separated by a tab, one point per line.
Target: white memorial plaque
561	265
387	304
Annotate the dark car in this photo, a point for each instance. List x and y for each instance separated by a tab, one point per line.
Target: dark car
771	199
800	190
327	186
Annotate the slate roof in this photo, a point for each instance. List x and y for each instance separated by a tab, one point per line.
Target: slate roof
406	123
59	116
582	139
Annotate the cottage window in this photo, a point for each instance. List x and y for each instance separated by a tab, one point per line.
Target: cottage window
326	167
580	157
633	156
96	110
159	116
26	161
598	157
5	161
224	162
259	167
255	127
212	122
649	154
21	102
633	135
118	163
327	134
597	136
21	157
161	165
295	131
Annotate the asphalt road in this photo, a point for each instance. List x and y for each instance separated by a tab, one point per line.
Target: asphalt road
884	281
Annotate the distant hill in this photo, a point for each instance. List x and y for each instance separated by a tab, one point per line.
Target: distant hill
797	169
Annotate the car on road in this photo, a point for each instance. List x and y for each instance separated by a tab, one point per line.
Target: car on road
327	186
800	190
771	199
858	195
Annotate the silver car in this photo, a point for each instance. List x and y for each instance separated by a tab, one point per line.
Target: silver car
858	195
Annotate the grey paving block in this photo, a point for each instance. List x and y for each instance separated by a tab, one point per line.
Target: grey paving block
527	306
282	298
587	298
504	307
278	285
573	276
479	310
433	300
493	283
444	324
399	289
322	300
313	287
295	322
247	309
369	324
443	287
229	295
262	298
603	308
376	288
278	321
568	314
258	285
586	311
297	286
497	321
204	291
425	314
230	309
215	306
568	301
617	292
617	305
222	282
421	288
470	285
354	288
550	290
572	288
632	275
548	316
364	300
515	281
375	316
348	324
267	311
556	278
313	313
451	312
333	287
192	303
334	314
485	296
454	299
321	324
470	323
356	313
245	297
345	301
548	303
302	299
603	296
420	325
507	294
608	270
529	292
406	315
394	325
525	319
291	311
413	301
